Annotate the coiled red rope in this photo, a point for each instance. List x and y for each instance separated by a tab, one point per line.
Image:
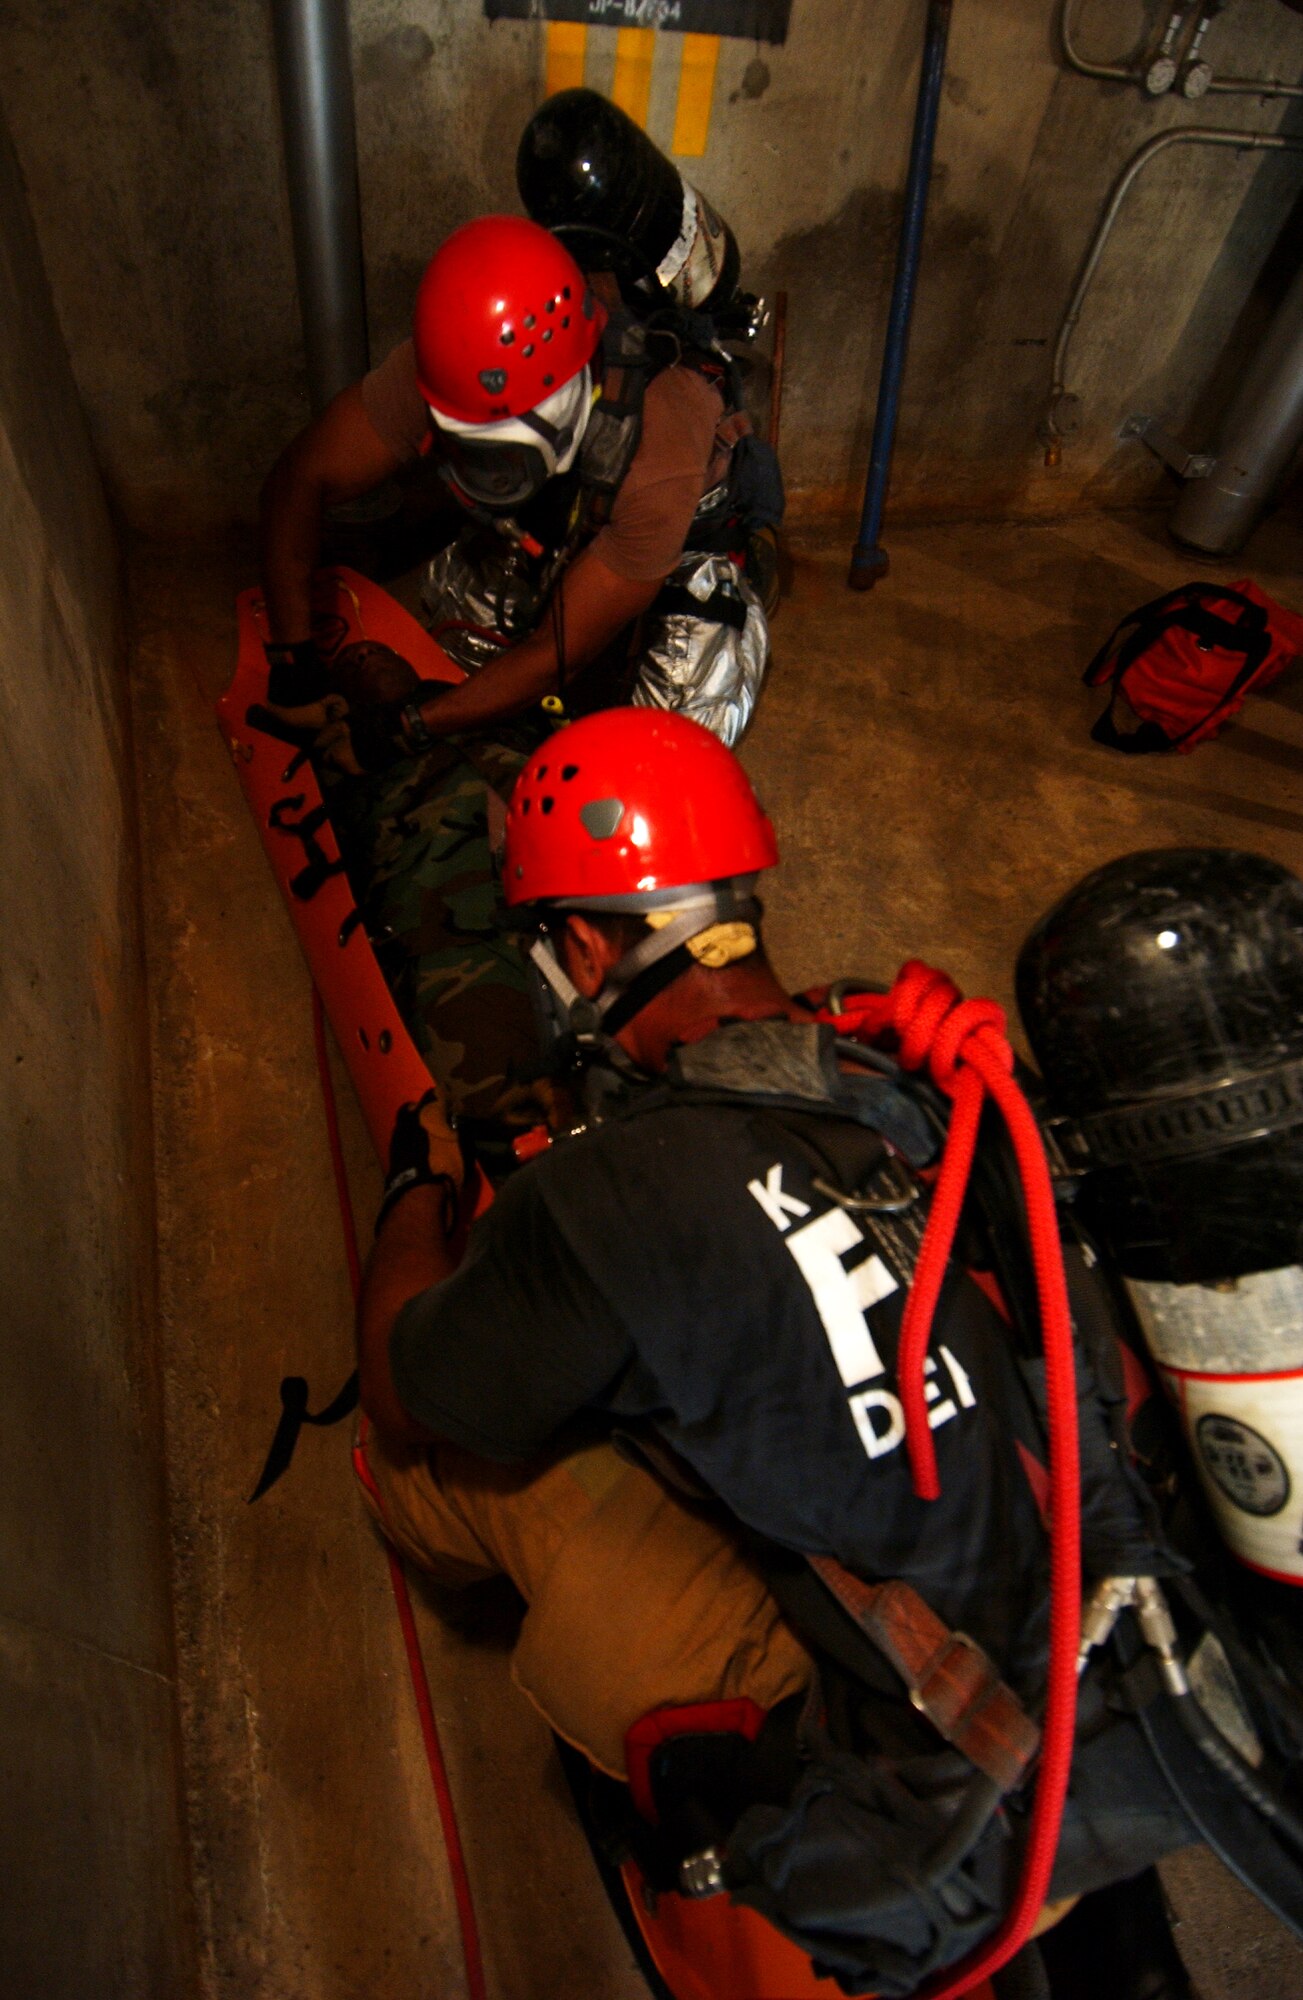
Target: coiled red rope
963	1045
461	1888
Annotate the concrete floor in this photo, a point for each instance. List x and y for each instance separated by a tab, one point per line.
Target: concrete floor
924	752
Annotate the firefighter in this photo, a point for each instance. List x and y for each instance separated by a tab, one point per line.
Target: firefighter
716	1270
503	382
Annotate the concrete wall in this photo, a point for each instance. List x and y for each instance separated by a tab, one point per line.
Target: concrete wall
91	1847
148	138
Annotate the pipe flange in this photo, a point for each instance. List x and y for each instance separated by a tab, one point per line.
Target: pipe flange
1062	416
1160	76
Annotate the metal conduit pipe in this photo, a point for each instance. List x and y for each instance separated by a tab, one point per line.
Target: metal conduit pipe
1110	72
869	560
1061	412
315	79
1196	81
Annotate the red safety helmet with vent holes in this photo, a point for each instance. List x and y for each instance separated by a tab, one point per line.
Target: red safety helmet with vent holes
613	811
504	317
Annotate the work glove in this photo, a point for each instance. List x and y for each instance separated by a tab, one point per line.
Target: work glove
385	731
424	1151
376	735
296	677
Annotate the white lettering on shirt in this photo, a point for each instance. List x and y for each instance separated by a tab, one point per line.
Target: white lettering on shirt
963	1388
777	1205
863	1407
842	1298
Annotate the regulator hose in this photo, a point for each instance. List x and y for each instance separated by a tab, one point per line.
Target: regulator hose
1210	1833
1225	1759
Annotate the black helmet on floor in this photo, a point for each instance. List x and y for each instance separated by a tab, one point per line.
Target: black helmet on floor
1163	999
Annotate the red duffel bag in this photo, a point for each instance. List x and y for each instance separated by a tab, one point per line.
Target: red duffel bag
1186	662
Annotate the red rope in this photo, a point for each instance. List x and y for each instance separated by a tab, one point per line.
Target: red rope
963	1044
461	1888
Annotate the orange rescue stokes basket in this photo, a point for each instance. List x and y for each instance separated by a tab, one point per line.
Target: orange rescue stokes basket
285	799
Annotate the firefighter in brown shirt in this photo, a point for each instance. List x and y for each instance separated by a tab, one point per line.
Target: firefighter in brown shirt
586	502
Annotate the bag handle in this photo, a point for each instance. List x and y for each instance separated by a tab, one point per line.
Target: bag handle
1150	624
1141	742
1251	634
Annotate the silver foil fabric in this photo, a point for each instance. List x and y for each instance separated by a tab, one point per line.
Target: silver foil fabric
477	596
700	666
696	665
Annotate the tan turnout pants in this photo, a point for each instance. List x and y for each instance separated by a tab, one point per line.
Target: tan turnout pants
635	1599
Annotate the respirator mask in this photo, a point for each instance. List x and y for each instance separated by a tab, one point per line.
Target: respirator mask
496	468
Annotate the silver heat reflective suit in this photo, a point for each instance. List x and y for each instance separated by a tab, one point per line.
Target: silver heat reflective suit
479	591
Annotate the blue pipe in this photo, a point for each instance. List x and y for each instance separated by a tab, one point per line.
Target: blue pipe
868	560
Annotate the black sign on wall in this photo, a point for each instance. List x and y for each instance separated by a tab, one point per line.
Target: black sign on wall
748	20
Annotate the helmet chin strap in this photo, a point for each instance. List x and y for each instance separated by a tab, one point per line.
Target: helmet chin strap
644	971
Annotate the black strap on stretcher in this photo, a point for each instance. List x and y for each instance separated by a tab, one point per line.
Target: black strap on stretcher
294	1415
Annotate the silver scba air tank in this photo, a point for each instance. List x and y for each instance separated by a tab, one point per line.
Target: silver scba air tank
1231	1358
1163	999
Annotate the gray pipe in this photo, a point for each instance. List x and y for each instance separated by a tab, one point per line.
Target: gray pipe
316	99
1260	433
1247	86
1061	415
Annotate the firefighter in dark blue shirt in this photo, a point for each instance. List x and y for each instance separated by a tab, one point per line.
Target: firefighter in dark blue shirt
713	1272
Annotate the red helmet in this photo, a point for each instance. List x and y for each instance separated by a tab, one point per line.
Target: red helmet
504	316
613	811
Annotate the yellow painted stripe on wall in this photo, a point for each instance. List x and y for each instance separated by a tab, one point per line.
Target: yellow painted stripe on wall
567	45
634	50
696	91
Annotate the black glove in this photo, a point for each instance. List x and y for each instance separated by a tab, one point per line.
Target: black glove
424	1152
388	730
296	675
376	734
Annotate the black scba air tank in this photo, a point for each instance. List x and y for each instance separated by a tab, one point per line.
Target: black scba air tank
1163	999
585	170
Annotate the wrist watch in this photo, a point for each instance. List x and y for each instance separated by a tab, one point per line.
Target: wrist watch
415	730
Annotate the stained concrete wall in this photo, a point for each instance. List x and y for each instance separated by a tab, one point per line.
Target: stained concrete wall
91	1849
149	141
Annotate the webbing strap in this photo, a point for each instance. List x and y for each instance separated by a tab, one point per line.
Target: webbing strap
722	607
950	1679
294	1414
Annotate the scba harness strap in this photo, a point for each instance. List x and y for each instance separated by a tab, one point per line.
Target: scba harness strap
633	351
950	1679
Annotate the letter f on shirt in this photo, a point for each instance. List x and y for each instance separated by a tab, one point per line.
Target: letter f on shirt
842	1298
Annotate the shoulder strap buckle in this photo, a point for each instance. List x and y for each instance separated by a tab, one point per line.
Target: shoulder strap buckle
949	1679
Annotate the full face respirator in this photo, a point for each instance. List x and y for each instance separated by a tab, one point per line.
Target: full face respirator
498	467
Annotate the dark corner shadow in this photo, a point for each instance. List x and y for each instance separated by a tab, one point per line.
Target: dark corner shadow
483	1615
1268	749
1127	776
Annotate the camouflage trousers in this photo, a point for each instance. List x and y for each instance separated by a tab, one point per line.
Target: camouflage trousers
417	845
